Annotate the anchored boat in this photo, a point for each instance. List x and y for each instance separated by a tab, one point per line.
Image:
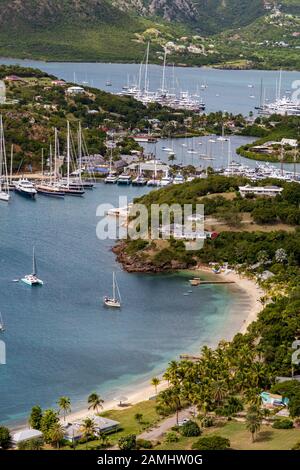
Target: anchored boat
115	300
32	279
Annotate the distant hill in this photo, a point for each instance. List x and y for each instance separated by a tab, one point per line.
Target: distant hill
196	32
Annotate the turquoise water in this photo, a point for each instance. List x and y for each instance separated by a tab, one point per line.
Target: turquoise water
60	339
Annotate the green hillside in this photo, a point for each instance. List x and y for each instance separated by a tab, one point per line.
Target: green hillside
231	33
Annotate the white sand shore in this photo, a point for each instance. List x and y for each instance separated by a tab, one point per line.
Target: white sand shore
253	290
144	390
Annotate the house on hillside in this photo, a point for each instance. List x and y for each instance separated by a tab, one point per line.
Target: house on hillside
75	90
267	191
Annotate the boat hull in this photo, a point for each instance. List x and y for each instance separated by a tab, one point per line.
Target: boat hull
72	192
112	303
27	194
44	192
4	196
28	282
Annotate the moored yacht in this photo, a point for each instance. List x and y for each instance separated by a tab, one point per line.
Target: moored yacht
111	179
124	178
179	179
49	190
166	180
140	180
25	188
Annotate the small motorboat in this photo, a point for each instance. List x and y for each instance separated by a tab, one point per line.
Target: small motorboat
195	282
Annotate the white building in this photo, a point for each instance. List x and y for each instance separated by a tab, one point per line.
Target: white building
26	435
267	191
290	142
2	92
75	90
74	431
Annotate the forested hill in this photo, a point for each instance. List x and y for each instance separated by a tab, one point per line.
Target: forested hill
223	33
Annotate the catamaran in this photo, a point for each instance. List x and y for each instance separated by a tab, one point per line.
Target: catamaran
115	300
2	327
32	279
4	184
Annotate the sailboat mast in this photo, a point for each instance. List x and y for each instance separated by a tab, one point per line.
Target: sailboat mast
164	73
1	151
34	270
55	153
50	162
114	287
80	148
146	68
11	160
68	154
3	160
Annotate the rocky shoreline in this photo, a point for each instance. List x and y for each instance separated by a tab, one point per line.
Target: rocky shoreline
137	263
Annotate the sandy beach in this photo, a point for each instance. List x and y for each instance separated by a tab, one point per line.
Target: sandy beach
145	390
253	290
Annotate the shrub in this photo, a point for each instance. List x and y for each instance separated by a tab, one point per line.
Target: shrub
31	444
296	446
212	443
175	428
283	424
172	437
144	444
127	442
190	429
5	438
207	422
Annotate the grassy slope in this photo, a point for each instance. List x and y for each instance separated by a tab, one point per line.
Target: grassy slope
236	432
240	438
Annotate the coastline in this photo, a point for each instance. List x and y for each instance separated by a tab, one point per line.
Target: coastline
143	391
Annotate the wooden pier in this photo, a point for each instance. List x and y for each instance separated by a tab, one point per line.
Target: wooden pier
216	282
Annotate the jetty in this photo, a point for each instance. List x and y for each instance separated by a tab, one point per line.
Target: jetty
216	282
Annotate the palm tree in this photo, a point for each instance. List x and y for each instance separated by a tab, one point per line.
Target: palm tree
88	428
155	382
56	434
64	404
219	391
253	423
171	399
95	402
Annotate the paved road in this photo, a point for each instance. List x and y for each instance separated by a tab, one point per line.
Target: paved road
156	433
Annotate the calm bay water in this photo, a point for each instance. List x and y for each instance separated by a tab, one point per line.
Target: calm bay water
60	339
227	90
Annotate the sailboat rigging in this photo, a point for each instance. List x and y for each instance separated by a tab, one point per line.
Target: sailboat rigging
32	279
4	184
115	300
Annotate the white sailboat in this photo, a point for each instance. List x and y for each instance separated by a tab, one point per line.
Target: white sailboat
2	327
4	184
115	300
32	279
